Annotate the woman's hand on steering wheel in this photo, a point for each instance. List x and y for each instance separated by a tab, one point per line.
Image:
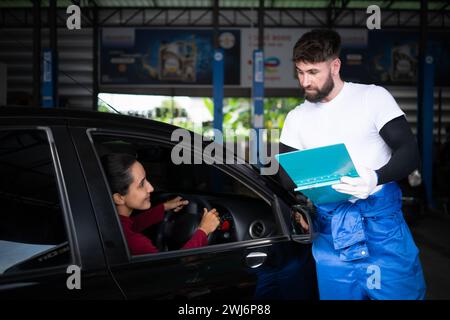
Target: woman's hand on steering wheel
210	221
180	226
176	204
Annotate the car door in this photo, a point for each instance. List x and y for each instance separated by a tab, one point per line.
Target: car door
245	268
49	242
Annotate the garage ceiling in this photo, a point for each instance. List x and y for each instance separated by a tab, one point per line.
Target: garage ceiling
268	4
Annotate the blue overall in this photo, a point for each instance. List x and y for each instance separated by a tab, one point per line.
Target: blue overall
365	250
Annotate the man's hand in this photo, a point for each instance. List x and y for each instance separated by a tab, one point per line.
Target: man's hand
299	219
176	203
360	187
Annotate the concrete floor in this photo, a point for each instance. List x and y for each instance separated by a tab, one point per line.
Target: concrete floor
431	232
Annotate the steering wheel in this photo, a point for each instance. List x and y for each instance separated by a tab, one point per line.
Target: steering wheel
179	227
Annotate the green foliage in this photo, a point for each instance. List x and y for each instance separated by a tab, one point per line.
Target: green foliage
276	109
236	115
104	108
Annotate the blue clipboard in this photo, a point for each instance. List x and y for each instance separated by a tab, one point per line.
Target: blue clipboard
315	170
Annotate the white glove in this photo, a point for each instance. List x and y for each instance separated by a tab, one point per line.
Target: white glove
360	187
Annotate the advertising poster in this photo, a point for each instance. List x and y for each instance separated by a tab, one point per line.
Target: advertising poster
393	57
166	56
279	71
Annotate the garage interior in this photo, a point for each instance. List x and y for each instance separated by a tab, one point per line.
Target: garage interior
29	29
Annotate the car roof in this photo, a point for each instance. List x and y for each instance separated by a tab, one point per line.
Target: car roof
81	114
87	117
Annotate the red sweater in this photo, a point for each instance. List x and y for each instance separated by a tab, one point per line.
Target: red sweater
140	244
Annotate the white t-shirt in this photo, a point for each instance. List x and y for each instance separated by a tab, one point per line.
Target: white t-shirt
354	117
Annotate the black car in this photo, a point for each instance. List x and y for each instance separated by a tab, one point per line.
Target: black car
60	236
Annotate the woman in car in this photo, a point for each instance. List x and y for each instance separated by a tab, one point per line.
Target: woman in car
131	191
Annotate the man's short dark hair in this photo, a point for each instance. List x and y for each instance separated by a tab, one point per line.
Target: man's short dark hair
317	45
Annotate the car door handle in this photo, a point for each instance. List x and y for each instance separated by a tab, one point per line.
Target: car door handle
255	259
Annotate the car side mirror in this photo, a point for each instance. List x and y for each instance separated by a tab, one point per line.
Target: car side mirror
301	224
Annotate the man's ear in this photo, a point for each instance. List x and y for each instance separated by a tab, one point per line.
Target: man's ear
118	198
336	66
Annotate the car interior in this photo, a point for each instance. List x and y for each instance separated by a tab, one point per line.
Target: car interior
243	214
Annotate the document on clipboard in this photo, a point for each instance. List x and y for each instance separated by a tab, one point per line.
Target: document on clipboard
315	170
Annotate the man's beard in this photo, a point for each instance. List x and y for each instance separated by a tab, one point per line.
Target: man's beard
321	93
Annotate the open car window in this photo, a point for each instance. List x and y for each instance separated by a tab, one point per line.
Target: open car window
244	214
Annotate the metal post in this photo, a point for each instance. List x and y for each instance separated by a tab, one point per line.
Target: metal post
440	120
425	94
216	24
54	50
218	83
256	151
37	53
331	14
261	25
420	78
427	128
95	53
218	73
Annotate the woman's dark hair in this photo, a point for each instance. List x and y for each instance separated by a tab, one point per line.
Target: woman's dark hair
317	45
117	168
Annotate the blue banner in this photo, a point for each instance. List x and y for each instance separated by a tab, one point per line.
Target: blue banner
47	79
391	58
166	56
